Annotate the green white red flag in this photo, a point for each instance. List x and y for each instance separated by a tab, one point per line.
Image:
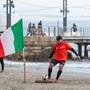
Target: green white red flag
11	41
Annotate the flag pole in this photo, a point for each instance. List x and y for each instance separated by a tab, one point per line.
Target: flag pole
24	66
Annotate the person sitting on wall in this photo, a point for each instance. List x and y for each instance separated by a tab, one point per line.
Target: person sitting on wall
33	27
40	26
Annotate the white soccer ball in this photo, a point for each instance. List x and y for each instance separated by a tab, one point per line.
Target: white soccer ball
44	77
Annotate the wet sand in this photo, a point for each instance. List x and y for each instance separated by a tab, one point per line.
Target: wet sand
13	76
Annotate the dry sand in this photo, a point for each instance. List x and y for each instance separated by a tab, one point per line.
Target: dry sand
12	79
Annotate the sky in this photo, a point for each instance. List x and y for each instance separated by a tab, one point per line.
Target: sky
49	9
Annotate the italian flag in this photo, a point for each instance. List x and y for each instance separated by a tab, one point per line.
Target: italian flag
11	40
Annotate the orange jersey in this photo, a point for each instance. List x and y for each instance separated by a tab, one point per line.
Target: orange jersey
60	50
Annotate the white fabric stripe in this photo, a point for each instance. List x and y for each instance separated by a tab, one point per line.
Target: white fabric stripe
7	41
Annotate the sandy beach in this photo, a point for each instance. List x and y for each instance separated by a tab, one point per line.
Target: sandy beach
12	79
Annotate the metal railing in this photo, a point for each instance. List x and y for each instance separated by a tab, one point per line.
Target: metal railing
54	31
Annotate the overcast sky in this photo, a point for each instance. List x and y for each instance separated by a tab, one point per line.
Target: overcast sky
50	9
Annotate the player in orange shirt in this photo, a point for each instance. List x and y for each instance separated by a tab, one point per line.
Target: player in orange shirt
59	53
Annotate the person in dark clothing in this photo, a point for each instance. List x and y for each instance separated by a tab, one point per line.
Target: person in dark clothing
59	53
29	27
2	64
74	28
40	24
33	26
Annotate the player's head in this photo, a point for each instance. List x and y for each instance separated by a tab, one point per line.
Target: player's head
59	39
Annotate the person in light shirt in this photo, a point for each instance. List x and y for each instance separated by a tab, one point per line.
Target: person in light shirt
59	54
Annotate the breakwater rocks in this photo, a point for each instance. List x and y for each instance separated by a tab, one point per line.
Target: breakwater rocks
36	48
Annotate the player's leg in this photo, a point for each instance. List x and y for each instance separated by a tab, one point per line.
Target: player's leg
51	65
61	65
2	64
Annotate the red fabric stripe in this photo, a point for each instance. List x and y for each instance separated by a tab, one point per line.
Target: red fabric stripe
2	54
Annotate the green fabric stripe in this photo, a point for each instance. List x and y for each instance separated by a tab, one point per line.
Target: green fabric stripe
17	30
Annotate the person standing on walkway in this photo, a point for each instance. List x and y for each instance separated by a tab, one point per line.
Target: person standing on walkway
2	64
59	53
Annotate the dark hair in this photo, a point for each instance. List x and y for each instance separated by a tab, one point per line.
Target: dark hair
58	38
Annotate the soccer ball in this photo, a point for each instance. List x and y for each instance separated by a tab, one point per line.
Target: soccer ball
44	77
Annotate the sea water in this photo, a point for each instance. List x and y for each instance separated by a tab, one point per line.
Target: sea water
82	66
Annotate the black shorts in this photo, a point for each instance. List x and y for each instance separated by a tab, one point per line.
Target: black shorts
54	61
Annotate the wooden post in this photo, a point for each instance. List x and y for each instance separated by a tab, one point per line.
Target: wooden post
24	66
24	70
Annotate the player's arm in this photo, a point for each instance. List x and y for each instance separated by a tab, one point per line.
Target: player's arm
75	53
52	53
